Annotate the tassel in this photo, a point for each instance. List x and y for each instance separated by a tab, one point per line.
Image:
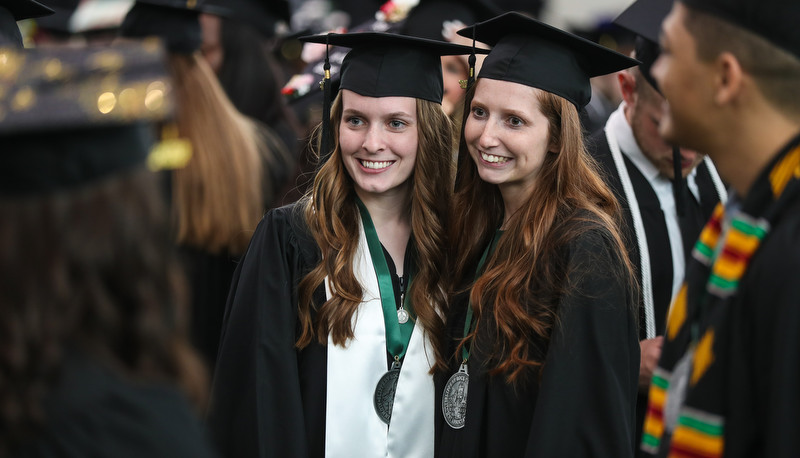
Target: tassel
678	183
325	141
471	78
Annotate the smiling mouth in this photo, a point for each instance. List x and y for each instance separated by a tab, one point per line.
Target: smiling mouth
494	159
375	165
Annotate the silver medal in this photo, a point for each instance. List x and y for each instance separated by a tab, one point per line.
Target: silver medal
454	399
402	315
383	400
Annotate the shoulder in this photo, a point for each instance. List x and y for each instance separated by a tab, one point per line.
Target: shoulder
94	411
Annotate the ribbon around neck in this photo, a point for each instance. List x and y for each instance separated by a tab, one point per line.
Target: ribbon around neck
468	322
397	335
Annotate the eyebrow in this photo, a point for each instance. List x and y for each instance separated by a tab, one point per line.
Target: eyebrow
396	114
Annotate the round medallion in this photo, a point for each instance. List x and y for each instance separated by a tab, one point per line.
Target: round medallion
384	395
402	316
454	399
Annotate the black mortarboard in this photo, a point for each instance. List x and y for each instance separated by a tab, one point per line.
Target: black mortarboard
530	52
426	19
270	17
12	11
773	20
59	21
76	115
389	65
26	9
174	21
644	18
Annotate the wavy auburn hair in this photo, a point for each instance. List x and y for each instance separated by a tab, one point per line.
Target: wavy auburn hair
517	295
333	219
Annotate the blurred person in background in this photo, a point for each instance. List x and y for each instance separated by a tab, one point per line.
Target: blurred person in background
95	358
238	39
224	190
663	212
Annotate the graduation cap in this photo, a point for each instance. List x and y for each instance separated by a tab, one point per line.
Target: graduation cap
426	19
270	17
76	115
773	20
12	11
388	65
530	52
644	18
174	21
59	21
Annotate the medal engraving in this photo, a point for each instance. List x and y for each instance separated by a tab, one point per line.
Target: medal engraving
402	316
384	393
454	399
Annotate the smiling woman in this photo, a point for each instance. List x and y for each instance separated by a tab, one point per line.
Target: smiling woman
335	307
541	347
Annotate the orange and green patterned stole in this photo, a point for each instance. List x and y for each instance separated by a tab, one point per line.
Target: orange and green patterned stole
722	255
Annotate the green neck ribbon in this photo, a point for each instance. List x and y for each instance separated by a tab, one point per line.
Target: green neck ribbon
397	335
468	322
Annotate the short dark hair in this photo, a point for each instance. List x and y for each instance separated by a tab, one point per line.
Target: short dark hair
775	70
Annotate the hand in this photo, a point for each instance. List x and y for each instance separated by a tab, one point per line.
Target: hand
650	352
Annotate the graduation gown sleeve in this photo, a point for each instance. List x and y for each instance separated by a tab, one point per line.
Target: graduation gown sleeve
256	403
587	396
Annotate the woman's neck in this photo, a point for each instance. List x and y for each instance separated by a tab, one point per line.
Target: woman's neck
513	198
391	215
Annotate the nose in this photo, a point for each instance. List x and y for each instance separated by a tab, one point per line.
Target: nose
488	137
373	140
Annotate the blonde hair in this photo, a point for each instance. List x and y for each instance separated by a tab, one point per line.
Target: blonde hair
218	198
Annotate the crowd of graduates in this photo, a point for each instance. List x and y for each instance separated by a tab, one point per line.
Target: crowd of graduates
414	228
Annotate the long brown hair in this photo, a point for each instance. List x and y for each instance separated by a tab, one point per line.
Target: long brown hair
91	269
219	197
333	219
519	289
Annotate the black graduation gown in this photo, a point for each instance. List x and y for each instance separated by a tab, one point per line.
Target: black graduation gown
209	278
93	412
270	415
583	403
751	382
655	226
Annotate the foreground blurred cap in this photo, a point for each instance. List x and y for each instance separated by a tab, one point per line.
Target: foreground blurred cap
69	116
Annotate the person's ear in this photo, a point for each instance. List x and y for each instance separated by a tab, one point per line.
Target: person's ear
627	86
729	78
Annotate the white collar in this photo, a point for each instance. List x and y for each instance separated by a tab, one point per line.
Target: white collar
630	148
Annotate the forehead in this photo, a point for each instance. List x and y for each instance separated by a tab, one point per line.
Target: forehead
378	105
508	95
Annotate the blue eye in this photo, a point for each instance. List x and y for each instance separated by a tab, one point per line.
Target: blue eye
354	121
478	112
396	124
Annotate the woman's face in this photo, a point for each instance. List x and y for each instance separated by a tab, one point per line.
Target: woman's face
454	69
378	140
506	134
